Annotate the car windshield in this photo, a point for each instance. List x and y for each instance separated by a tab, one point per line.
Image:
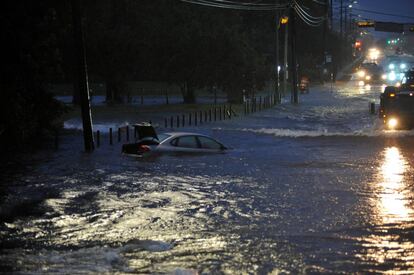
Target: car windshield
162	137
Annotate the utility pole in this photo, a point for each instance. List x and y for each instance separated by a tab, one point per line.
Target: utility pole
331	14
277	92
292	29
340	19
285	59
346	23
82	72
325	28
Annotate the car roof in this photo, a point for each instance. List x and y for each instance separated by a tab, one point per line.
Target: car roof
177	134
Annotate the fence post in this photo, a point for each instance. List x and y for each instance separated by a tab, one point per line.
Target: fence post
165	122
119	134
172	122
230	110
127	132
372	108
255	104
189	119
260	103
220	112
98	138
178	121
224	112
215	113
201	117
209	115
183	120
110	136
166	97
195	118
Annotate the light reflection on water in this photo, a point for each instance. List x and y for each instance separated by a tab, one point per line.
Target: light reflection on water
393	199
387	246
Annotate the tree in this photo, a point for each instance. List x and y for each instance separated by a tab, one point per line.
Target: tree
31	60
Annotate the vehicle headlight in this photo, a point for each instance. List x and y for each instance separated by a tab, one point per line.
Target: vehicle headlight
398	84
361	83
361	73
392	123
368	77
391	66
403	66
384	76
392	76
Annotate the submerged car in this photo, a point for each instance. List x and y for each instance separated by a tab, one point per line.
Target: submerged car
149	142
397	104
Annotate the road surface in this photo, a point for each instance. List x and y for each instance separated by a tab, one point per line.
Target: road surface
310	188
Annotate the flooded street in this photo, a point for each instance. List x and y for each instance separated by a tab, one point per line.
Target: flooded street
310	188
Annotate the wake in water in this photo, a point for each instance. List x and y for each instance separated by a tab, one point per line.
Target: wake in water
372	132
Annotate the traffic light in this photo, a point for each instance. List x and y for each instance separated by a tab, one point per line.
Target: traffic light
366	24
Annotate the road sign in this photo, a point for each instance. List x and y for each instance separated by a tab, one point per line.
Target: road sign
366	24
389	27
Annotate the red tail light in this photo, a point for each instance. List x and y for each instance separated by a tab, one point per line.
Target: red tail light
144	148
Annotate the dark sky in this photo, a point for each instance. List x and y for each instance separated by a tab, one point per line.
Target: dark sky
403	7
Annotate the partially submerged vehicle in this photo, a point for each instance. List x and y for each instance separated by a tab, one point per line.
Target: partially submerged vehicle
149	142
397	104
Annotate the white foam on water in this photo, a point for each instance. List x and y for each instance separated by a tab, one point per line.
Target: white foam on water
283	132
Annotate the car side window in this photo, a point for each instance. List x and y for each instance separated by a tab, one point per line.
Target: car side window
187	142
208	143
174	142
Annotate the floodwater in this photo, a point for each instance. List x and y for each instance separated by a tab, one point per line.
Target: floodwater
315	188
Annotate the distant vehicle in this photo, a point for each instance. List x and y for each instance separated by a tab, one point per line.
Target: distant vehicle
304	85
407	81
395	70
172	142
369	72
397	104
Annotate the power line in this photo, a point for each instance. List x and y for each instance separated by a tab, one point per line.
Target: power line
307	18
238	5
383	13
378	12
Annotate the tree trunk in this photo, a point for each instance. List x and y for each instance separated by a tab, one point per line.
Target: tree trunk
235	95
188	93
113	91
